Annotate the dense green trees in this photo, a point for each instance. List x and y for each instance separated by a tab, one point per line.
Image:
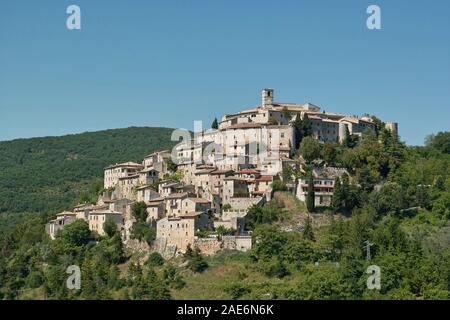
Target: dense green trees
370	160
110	227
195	259
171	166
396	197
52	173
142	230
139	211
390	198
279	185
269	245
302	129
287	173
236	290
410	268
155	260
440	142
73	238
310	149
329	152
172	277
346	196
147	285
38	263
267	214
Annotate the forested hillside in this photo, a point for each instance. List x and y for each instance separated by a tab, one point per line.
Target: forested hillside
49	173
397	198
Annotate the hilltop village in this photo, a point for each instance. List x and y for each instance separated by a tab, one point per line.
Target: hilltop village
199	193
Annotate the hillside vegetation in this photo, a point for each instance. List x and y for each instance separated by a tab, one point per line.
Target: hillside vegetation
397	198
49	173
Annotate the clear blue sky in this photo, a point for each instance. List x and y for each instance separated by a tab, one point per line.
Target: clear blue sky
169	62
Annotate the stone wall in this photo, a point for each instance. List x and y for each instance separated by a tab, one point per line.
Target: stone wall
244	203
240	243
228	215
234	223
167	251
210	246
137	246
225	224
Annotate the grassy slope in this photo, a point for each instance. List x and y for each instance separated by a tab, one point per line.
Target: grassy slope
41	174
225	269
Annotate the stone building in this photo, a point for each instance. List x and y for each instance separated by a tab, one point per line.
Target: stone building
156	209
324	179
262	136
173	204
98	218
189	205
235	187
121	170
62	219
148	176
180	231
146	193
167	187
127	187
325	125
157	160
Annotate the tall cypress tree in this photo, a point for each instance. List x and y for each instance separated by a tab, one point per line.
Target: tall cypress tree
308	232
306	126
298	131
345	204
302	129
215	124
337	195
310	197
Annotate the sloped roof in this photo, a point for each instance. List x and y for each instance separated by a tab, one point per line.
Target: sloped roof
177	195
198	200
248	171
265	178
190	214
125	164
105	212
247	125
222	171
66	213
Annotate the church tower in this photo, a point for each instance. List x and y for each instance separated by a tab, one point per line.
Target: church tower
267	98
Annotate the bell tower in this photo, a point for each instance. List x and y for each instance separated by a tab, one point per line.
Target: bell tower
267	98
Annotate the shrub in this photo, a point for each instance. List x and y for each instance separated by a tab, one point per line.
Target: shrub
236	290
155	260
